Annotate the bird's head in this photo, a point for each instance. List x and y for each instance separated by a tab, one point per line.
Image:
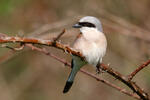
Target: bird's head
89	22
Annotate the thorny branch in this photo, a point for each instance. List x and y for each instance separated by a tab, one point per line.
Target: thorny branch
130	77
132	85
12	48
83	71
55	39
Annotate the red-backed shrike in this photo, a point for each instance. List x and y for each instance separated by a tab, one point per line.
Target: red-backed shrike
91	43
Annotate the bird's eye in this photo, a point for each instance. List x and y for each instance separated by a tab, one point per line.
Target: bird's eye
86	24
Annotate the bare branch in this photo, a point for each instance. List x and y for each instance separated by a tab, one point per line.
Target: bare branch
130	77
13	48
83	71
132	85
40	42
55	39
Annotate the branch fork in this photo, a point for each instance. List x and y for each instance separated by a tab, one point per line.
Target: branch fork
138	93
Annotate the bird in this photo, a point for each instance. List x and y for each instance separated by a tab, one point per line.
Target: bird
91	42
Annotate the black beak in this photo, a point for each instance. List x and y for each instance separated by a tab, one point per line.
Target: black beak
77	26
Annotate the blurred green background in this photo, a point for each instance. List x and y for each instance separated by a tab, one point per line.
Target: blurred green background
31	75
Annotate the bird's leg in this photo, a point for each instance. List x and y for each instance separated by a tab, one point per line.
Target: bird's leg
98	69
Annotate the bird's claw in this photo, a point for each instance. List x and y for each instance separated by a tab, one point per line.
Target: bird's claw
99	71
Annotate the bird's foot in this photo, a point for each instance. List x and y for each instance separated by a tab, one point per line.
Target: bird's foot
99	71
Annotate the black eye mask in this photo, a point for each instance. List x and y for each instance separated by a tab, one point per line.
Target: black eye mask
86	24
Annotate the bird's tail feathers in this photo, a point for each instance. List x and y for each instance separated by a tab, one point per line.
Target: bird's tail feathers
75	68
70	79
67	86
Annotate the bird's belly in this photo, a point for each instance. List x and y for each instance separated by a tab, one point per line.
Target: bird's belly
92	52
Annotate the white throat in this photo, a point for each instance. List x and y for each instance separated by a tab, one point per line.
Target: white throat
90	33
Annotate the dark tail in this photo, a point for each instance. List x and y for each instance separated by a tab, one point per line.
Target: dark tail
75	69
70	78
67	86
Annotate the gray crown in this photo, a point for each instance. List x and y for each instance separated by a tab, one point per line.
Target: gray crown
92	20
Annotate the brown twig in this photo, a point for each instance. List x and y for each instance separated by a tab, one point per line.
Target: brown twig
132	85
13	48
110	84
40	42
83	71
130	77
55	39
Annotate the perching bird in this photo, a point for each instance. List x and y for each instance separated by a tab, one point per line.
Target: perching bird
91	43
